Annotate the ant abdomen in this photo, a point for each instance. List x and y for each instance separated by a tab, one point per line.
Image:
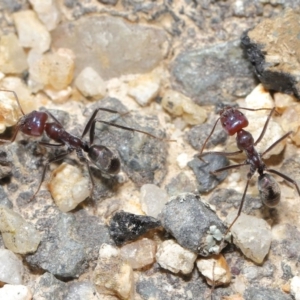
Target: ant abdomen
269	190
104	159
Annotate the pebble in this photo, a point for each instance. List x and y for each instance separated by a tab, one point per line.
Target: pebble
90	84
283	102
140	253
181	183
47	12
82	290
125	227
179	105
115	47
192	223
153	199
295	287
12	55
113	273
202	170
54	70
264	293
254	241
15	292
31	32
175	258
11	268
215	269
68	187
18	235
145	88
60	96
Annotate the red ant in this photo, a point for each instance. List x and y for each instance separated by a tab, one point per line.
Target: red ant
233	121
35	123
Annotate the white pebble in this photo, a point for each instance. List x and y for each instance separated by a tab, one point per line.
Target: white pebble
182	160
32	33
295	287
153	199
11	268
68	187
254	241
15	292
175	258
90	84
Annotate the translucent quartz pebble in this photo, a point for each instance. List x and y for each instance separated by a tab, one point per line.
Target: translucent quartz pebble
11	267
173	257
140	253
90	84
12	56
32	33
153	199
68	187
18	235
252	235
47	11
179	105
113	274
15	292
215	269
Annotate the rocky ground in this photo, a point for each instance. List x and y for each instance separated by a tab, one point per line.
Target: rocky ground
155	229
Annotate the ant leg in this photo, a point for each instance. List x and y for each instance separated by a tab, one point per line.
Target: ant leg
205	142
57	158
276	142
229	168
93	116
51	145
219	153
286	178
265	127
9	91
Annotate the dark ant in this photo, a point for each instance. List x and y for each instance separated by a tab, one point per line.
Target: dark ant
233	121
35	123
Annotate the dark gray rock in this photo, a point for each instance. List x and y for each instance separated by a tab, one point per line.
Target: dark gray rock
276	67
143	157
263	293
203	169
213	74
286	271
181	184
291	167
109	2
47	287
189	220
125	227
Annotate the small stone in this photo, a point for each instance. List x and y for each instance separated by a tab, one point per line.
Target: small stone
254	241
60	96
90	84
125	227
140	253
215	269
192	223
54	70
18	235
47	12
32	33
153	199
175	258
113	273
82	291
203	171
179	105
15	292
256	292
182	160
283	102
12	55
181	184
11	268
145	88
295	287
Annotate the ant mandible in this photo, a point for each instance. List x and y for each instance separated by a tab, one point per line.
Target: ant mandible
35	123
233	121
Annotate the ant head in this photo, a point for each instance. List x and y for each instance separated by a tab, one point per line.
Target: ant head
104	159
33	124
269	190
232	120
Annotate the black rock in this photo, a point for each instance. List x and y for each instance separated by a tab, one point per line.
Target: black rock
125	227
202	170
189	221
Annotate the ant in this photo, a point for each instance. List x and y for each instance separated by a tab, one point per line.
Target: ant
35	123
233	121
